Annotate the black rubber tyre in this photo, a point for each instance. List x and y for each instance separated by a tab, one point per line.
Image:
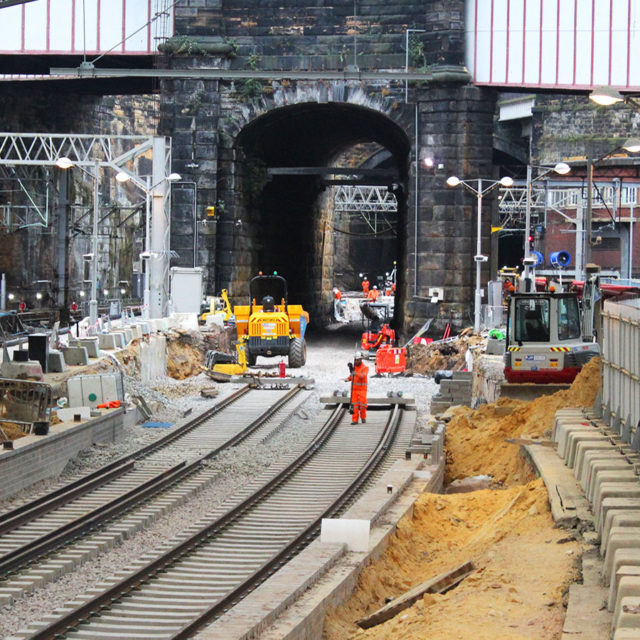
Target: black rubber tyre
297	353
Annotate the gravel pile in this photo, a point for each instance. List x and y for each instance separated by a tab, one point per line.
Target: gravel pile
327	358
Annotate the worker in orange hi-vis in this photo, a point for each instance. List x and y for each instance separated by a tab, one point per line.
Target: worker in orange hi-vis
373	294
337	294
365	286
358	377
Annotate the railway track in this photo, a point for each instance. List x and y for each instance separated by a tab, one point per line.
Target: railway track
99	510
183	585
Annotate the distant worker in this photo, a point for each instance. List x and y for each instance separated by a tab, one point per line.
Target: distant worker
365	286
337	294
268	303
358	377
373	294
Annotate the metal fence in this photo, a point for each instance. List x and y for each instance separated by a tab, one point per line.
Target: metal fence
621	368
24	402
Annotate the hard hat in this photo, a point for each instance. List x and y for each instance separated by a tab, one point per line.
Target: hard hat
358	355
374	286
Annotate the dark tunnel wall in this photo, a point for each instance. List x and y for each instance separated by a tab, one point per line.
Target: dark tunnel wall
288	220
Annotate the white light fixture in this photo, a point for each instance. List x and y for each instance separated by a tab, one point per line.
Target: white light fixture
428	162
121	176
562	168
64	163
106	292
453	181
506	181
632	145
605	96
174	177
38	296
82	294
11	296
122	291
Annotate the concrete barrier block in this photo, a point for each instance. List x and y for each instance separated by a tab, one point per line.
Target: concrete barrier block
564	429
586	439
628	587
74	356
612	490
107	341
618	518
136	330
119	338
583	448
55	361
610	475
628	617
615	504
619	539
628	570
626	634
128	335
29	370
595	459
92	345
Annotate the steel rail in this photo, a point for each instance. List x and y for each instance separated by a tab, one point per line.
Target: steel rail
96	518
39	506
303	538
205	535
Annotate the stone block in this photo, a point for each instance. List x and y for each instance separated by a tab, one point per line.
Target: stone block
618	518
29	370
622	571
628	615
583	448
622	542
585	439
614	504
612	490
610	475
583	468
91	344
119	338
55	361
107	341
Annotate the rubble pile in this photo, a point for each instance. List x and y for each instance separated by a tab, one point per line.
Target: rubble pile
450	354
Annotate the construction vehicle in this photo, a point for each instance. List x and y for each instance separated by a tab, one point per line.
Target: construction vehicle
219	306
272	326
221	366
377	330
550	334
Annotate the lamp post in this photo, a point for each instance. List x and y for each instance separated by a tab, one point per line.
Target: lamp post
147	254
66	163
479	192
560	168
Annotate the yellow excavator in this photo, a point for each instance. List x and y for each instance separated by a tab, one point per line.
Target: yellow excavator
221	366
214	309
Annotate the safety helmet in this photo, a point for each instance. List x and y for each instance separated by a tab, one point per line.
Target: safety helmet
358	355
374	286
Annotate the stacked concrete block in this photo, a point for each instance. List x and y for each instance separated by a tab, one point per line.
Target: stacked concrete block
453	391
607	469
74	356
108	341
55	361
91	343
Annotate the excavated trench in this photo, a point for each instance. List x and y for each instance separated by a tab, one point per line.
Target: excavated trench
523	565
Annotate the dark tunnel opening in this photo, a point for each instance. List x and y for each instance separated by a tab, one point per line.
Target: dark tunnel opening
286	203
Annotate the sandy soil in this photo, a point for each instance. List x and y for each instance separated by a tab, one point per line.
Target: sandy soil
524	565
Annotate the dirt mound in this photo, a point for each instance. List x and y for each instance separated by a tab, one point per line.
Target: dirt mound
504	533
475	440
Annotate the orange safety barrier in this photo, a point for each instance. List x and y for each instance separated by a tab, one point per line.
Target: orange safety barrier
391	359
112	404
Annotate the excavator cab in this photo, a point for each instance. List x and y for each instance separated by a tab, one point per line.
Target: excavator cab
545	343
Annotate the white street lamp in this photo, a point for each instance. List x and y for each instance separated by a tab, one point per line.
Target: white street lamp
147	254
479	192
561	168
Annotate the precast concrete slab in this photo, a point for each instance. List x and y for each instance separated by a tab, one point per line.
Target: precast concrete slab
626	634
621	556
293	603
597	459
625	582
586	440
628	616
563	431
603	449
618	538
562	425
107	341
612	490
614	504
611	475
619	518
91	343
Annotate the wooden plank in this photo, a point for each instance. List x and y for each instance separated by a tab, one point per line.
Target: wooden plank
524	441
439	584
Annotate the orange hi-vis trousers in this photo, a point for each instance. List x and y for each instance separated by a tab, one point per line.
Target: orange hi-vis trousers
359	392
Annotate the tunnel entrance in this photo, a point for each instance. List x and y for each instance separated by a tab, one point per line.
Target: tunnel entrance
289	164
